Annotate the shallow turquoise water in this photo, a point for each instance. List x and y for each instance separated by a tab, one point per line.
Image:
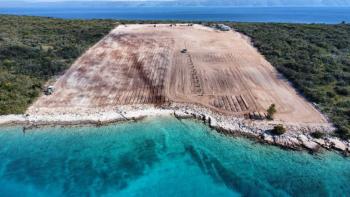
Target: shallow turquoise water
160	157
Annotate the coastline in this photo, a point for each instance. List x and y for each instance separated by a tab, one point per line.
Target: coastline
297	136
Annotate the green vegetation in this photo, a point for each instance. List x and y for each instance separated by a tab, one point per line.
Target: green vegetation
33	49
317	134
271	111
278	130
315	58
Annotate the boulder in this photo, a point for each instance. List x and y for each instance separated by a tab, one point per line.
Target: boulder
268	138
320	142
337	144
287	141
307	143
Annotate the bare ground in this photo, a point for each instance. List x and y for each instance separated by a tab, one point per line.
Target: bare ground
143	64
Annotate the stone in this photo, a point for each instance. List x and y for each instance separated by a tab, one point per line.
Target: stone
337	144
320	142
268	138
180	114
287	141
307	143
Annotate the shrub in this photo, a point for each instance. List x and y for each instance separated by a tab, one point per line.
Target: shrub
342	91
343	132
271	111
317	134
278	130
331	94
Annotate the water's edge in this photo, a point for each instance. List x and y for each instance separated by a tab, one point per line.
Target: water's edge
297	136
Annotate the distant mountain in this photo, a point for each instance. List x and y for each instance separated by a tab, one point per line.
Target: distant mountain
263	3
269	3
237	3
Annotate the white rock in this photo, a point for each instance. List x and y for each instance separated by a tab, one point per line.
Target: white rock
7	119
307	143
181	114
337	144
268	138
287	141
320	142
294	140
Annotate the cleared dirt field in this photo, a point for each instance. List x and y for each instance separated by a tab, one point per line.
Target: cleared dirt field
143	64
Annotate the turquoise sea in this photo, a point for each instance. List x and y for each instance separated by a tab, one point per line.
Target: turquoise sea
160	157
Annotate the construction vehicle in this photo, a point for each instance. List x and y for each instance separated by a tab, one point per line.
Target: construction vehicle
49	90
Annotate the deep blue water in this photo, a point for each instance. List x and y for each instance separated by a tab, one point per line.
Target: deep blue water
292	15
160	157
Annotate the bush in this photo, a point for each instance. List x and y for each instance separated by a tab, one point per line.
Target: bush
331	94
317	134
278	130
342	91
343	132
271	111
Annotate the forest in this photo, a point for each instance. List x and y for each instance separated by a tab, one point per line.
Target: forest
35	49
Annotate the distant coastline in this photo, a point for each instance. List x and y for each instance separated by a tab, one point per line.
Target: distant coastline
327	15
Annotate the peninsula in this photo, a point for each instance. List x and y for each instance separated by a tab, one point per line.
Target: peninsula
186	70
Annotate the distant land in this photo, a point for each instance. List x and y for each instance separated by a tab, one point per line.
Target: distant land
237	3
329	15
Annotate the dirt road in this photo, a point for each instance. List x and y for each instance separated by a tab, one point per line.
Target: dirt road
142	64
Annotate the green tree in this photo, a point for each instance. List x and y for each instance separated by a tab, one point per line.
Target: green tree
317	134
278	130
271	111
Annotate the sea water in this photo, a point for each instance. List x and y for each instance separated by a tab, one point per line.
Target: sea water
330	15
160	157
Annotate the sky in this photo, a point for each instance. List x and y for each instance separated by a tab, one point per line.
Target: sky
82	0
306	1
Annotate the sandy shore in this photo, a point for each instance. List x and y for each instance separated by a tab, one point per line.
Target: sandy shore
297	136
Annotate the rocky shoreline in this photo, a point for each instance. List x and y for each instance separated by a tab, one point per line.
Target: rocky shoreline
297	136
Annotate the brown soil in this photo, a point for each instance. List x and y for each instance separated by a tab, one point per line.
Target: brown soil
143	64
